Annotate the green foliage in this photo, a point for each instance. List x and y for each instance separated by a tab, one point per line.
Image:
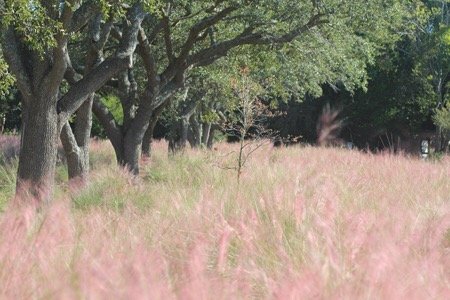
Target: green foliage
113	105
431	53
398	99
6	79
10	109
105	193
30	19
442	117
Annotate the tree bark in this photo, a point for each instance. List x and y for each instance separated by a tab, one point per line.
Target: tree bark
38	151
132	148
197	130
83	125
148	138
205	135
210	141
76	144
184	122
181	133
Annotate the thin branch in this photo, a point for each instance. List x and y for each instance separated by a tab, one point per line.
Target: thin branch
168	39
106	118
249	37
12	52
145	51
82	15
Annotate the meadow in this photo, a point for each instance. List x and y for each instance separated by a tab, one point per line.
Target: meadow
302	223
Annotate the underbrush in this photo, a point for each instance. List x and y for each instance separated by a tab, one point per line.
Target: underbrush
302	223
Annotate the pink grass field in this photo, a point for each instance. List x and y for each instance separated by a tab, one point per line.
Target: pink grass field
304	223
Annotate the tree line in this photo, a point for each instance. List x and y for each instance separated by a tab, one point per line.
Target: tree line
129	64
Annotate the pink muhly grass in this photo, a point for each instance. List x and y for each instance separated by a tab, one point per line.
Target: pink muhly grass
224	244
328	126
307	223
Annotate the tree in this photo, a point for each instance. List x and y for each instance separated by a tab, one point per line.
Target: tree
442	120
35	45
195	119
433	54
407	83
198	33
247	121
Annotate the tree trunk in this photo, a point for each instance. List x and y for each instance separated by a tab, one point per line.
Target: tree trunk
205	135
210	142
76	144
133	137
196	132
175	137
132	148
83	125
148	138
184	133
38	152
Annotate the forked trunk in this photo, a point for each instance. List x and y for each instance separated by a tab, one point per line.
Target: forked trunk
76	145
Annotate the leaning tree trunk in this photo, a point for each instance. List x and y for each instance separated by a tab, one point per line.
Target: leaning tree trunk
38	151
196	132
184	132
76	144
148	138
205	134
83	126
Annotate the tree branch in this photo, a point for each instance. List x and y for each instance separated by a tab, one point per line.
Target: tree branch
248	37
82	15
109	124
145	51
200	26
99	75
168	39
192	38
68	140
12	53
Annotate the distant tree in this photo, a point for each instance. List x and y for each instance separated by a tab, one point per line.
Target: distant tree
247	122
442	120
